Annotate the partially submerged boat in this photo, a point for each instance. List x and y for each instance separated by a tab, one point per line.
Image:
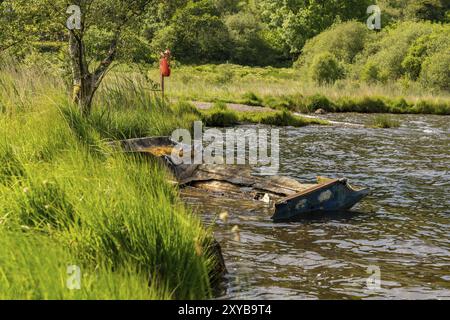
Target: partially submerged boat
288	198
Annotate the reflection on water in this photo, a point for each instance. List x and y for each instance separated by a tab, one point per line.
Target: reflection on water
403	227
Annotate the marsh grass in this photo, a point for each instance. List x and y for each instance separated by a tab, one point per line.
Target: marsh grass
383	121
68	198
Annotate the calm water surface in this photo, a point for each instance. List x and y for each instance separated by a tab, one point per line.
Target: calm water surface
403	228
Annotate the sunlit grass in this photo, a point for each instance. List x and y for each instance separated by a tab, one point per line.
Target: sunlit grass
68	198
289	88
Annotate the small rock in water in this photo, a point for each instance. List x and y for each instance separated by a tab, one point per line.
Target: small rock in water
237	235
224	216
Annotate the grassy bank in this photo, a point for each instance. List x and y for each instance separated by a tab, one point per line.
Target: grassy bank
67	199
281	88
221	116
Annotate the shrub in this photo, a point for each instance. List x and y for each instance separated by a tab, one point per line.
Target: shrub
390	48
343	40
371	72
249	47
220	116
319	101
326	69
436	71
197	33
424	47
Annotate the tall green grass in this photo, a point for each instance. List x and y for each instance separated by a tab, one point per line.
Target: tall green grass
67	198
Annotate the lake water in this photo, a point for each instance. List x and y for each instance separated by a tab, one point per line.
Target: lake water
401	231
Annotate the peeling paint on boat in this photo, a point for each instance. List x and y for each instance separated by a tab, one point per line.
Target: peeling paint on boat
324	196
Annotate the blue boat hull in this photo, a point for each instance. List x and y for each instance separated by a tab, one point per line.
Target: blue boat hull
335	195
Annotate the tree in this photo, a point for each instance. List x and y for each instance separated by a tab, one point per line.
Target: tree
18	22
196	33
293	22
115	18
108	20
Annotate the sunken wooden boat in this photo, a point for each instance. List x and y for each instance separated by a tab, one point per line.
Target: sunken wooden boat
288	198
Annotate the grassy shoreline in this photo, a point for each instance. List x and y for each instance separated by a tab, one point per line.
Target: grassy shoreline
68	199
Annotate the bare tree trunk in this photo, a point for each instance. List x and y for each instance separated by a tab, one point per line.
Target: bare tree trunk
82	78
85	83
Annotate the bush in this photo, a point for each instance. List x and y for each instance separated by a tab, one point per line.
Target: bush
326	69
319	101
384	55
371	72
436	71
197	34
220	116
424	47
343	40
249	47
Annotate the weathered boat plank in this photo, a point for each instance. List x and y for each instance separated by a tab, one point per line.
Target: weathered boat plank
291	198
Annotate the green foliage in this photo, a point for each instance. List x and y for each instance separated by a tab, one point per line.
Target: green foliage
248	45
344	41
383	57
424	47
436	71
318	101
251	99
220	116
326	69
11	168
279	118
371	72
292	23
197	32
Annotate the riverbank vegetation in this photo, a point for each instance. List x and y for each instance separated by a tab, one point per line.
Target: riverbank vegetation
69	199
221	116
297	56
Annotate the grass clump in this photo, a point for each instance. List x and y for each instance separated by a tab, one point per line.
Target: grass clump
383	121
220	116
279	118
